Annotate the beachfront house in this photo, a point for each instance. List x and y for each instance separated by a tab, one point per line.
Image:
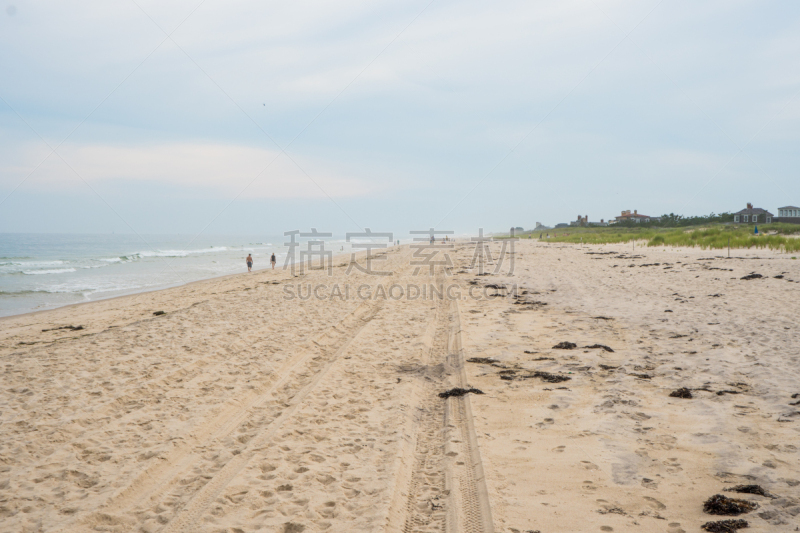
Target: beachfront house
584	221
790	214
753	215
627	216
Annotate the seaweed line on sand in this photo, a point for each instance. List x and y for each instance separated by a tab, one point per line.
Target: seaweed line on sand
725	526
722	505
458	391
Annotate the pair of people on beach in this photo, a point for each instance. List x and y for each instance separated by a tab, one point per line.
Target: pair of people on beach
249	262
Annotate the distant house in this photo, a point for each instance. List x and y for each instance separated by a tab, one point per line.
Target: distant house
753	215
627	216
584	221
790	214
562	225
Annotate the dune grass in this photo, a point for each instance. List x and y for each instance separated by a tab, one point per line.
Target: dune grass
783	237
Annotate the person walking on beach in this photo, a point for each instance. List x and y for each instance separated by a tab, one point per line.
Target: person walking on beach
249	261
273	261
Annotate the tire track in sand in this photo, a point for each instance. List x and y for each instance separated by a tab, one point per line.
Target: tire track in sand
187	517
297	377
468	485
426	498
446	488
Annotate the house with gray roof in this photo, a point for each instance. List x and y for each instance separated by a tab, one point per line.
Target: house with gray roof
753	215
790	214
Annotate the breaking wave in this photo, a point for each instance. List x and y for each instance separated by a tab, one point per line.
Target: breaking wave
51	271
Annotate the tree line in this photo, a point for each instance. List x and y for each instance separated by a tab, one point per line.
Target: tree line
675	221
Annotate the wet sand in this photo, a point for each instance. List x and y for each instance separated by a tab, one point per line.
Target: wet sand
243	409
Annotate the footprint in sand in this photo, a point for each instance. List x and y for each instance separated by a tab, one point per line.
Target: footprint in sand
649	483
589	465
655	504
673	466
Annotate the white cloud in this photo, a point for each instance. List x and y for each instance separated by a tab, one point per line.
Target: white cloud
436	111
219	169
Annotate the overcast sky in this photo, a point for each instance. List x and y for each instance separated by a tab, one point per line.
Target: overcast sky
250	116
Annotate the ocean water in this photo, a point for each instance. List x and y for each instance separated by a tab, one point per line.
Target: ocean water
44	271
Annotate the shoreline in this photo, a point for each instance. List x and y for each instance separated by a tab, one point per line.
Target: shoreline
152	290
776	254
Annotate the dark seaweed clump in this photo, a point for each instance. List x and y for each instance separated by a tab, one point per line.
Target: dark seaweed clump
159	313
719	504
725	526
551	378
482	360
753	276
683	392
601	346
565	346
748	489
71	328
457	392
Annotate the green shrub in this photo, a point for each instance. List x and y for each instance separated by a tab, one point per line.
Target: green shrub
708	237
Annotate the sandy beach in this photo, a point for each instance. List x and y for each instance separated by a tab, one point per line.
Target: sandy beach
251	404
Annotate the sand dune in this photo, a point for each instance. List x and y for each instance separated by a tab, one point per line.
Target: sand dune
240	409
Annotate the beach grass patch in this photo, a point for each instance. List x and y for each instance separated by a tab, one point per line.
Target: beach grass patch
780	237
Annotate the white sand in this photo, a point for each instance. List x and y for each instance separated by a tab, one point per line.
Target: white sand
240	410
